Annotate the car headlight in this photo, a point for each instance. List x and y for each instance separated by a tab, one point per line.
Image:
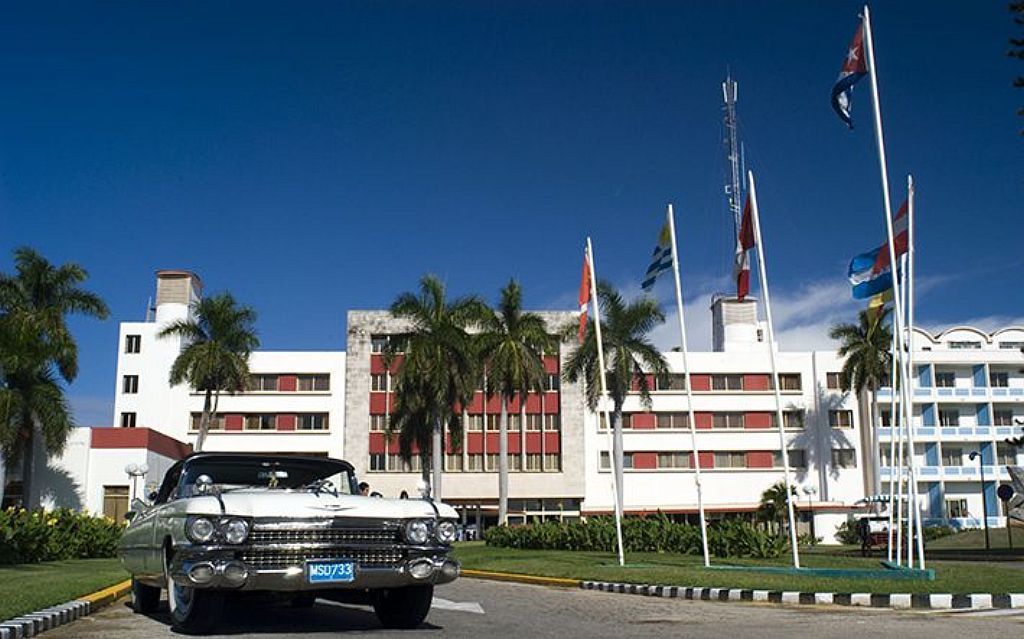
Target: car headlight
417	531
445	532
235	531
200	529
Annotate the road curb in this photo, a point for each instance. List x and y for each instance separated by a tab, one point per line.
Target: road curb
523	579
896	601
35	623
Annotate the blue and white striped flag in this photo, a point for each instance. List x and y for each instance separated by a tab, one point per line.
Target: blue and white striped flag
661	261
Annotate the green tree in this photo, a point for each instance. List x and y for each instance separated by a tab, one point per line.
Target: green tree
512	346
628	353
217	339
38	355
436	370
866	348
773	507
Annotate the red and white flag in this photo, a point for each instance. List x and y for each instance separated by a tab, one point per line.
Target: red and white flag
744	242
584	296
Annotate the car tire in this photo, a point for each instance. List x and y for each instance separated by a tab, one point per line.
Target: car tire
144	598
194	611
403	608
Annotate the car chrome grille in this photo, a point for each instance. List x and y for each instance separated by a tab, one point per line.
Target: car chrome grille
266	559
340	536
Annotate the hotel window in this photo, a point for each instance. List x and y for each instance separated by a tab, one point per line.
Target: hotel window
956	509
128	420
492	462
840	418
312	421
378	343
314	383
534	462
130	384
627	460
395	463
132	343
534	422
949	417
789	381
945	379
216	421
515	462
378	382
259	383
475	423
377	461
726	382
551	382
727	420
998	379
832	381
885	416
793	419
674	460
797	458
415	464
453	462
513	421
1002	417
1006	454
475	462
965	345
261	422
952	456
378	423
1011	346
670	382
672	420
115	502
844	458
731	459
552	422
493	421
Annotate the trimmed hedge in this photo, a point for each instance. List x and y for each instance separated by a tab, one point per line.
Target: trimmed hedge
727	538
34	536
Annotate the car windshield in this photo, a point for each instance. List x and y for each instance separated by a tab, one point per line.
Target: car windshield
268	472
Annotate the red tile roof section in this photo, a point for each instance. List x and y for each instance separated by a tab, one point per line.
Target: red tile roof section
140	438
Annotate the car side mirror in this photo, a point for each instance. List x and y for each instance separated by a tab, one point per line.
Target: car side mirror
130	515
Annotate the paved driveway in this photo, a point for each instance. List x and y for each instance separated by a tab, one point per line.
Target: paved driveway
474	609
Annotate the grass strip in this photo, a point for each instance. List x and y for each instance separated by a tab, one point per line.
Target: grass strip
688	570
26	588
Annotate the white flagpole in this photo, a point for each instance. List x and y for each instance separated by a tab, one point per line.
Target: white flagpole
910	360
603	401
689	393
906	397
899	456
752	191
893	494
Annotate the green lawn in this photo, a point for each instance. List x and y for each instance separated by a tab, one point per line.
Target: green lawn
974	539
687	570
26	588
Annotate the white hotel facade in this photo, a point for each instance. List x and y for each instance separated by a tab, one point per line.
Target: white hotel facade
336	403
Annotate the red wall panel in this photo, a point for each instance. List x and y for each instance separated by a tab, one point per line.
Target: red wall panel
700	381
645	461
707	459
551	364
232	422
759	459
377	364
533	403
533	442
379	403
551	403
474	443
286	422
476	406
551	443
643	420
703	420
377	443
755	383
286	383
757	420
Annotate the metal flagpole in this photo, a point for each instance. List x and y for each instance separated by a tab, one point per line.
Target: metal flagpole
869	49
689	393
899	457
752	193
603	401
910	361
892	447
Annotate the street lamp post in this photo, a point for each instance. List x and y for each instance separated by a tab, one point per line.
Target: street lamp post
135	471
984	500
810	491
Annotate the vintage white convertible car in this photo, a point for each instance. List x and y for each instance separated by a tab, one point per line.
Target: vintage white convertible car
225	524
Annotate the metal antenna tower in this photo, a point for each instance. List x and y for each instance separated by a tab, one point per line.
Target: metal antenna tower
733	189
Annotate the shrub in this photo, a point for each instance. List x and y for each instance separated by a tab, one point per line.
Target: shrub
846	533
37	535
728	538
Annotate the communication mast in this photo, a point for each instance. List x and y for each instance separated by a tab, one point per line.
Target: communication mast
733	188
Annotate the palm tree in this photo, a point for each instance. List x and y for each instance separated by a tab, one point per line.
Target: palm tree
512	345
774	503
866	347
436	372
628	353
218	338
37	354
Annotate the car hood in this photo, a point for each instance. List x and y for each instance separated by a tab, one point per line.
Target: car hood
263	502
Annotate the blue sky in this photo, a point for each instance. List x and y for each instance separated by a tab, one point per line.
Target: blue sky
317	157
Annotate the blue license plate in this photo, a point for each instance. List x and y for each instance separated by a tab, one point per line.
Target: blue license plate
325	572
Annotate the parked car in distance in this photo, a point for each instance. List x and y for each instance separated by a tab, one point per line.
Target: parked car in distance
227	524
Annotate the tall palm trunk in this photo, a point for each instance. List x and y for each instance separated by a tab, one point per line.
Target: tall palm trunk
503	463
204	421
617	453
3	476
437	452
28	466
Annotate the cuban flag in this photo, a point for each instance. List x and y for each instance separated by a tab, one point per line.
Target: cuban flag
854	68
584	297
870	272
661	261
